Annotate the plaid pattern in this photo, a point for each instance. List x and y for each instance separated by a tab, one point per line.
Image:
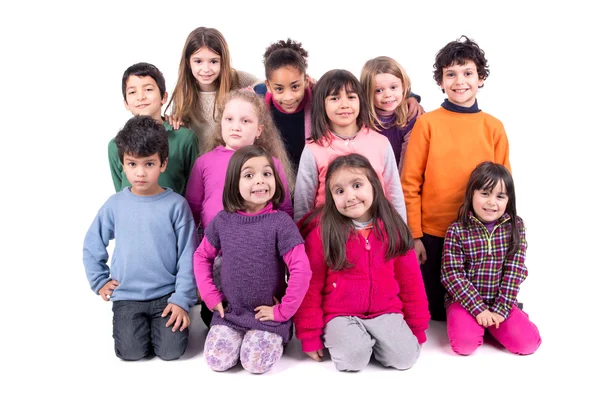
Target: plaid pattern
475	269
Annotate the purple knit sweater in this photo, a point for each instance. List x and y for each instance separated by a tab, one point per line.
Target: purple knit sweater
253	270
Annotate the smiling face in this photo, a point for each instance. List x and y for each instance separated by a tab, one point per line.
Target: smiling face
257	184
352	193
342	110
461	83
287	85
142	97
206	68
143	173
490	205
239	124
388	93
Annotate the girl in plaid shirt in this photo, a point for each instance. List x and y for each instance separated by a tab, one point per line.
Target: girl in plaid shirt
483	264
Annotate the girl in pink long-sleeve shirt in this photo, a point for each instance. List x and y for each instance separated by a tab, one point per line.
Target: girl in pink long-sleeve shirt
366	294
244	120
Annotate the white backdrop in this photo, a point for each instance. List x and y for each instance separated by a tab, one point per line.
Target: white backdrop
62	67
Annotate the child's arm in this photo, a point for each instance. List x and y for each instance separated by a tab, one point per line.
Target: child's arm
454	278
309	317
414	108
95	255
194	192
185	232
413	171
412	293
300	273
391	179
514	273
307	183
286	206
501	148
189	155
203	261
403	151
116	168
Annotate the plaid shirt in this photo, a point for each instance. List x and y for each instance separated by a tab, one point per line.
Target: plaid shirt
475	269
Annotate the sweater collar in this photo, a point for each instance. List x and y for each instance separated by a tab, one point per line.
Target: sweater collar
460	109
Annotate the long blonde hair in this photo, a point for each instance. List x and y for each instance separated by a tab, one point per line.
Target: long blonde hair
186	95
270	137
384	65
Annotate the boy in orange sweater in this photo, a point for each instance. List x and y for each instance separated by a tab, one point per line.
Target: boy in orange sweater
444	148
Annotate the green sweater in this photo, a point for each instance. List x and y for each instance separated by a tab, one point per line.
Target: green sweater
183	151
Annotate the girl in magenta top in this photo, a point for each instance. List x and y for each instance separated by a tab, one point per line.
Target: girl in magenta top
366	294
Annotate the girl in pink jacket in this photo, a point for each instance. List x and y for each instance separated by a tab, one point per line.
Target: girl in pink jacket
366	294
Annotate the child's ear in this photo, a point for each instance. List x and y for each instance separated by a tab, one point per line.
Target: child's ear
126	105
260	131
163	167
165	98
268	86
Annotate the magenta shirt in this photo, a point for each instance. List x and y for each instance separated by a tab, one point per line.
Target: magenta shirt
206	183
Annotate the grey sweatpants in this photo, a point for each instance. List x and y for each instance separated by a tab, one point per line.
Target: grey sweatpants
352	340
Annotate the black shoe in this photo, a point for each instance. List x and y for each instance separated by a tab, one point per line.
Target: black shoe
205	314
520	306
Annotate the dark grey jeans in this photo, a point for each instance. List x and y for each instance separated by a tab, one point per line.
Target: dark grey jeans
140	331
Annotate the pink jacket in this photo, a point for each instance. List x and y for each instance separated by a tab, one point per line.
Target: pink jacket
372	287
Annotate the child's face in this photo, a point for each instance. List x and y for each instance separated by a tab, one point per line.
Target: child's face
461	82
388	93
287	85
257	184
206	68
489	205
142	97
143	173
352	193
342	110
239	124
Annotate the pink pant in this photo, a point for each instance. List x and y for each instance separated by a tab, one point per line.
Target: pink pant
517	333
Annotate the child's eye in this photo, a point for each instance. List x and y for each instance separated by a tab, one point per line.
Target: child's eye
378	90
267	174
131	164
357	185
278	90
248	175
352	96
295	87
229	119
468	73
450	74
334	98
214	61
484	193
150	164
394	87
245	121
131	92
339	191
501	196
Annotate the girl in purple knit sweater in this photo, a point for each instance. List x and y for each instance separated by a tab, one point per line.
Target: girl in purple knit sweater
252	309
387	90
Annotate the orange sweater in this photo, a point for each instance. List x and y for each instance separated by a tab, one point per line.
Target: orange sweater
443	150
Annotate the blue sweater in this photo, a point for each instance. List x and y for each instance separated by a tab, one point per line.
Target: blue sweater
154	248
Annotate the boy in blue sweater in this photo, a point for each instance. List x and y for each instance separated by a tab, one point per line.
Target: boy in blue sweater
150	280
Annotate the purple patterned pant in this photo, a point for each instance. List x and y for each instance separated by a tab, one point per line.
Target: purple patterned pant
258	350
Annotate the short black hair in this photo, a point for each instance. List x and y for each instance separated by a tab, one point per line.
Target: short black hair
142	136
460	51
144	69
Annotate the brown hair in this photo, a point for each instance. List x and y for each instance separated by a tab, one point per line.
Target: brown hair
186	95
270	137
232	198
384	65
330	84
337	228
485	177
460	52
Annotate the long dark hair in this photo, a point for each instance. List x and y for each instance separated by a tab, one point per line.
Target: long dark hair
485	177
331	83
337	228
232	198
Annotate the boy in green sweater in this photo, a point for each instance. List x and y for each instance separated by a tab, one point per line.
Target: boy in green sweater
144	93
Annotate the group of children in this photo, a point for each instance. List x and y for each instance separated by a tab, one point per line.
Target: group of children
337	205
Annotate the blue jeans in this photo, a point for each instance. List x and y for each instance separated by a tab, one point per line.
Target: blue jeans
140	331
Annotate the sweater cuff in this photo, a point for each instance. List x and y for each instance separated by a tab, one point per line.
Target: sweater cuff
421	336
277	317
312	344
477	308
213	301
502	309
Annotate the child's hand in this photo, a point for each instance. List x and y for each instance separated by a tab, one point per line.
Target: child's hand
107	290
499	318
220	309
486	318
311	81
414	108
175	123
179	317
265	313
420	250
315	355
